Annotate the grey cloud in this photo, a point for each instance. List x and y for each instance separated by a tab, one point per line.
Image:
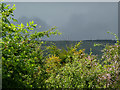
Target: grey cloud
75	20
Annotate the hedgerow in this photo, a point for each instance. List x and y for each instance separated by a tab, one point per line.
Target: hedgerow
27	64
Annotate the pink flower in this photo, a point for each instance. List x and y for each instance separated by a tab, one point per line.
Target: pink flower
95	64
89	58
110	68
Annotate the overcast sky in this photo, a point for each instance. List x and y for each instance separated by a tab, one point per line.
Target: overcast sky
76	20
61	0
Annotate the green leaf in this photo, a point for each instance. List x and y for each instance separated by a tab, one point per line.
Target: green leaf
22	25
26	31
27	24
59	33
7	6
13	8
15	20
13	5
108	32
32	22
39	27
34	25
8	75
30	28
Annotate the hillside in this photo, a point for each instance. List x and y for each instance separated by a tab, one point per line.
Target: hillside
86	44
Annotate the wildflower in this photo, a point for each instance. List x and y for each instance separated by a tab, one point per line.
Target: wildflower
103	77
52	63
89	58
95	64
110	69
108	76
113	66
115	57
73	50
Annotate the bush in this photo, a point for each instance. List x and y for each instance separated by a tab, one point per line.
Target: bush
26	64
85	71
88	72
81	73
22	56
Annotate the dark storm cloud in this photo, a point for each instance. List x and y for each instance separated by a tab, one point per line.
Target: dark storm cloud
75	20
93	24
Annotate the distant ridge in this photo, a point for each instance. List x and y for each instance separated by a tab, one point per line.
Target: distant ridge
86	44
80	40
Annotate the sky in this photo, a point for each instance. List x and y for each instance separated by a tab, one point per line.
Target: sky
61	0
76	20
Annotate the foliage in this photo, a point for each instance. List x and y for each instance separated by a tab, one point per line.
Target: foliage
26	64
88	72
79	74
52	63
111	63
22	56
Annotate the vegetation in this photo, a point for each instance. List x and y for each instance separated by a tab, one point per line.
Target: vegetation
25	64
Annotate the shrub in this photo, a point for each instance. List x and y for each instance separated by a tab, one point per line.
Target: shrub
52	63
22	56
25	63
81	73
85	71
111	64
